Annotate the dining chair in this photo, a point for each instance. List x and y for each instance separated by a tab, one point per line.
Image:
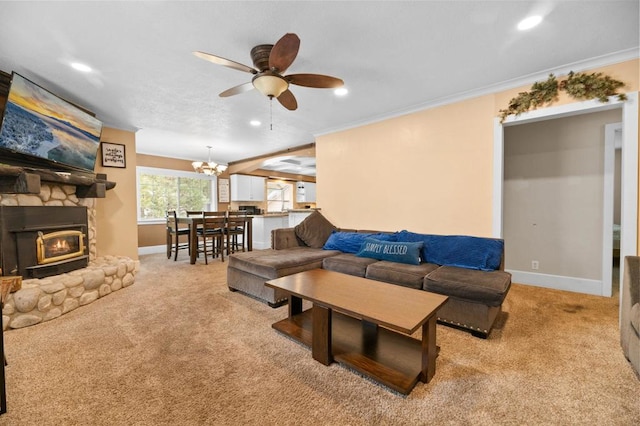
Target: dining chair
235	231
174	232
196	214
212	235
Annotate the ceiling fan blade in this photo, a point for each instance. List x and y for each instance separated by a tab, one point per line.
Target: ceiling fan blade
236	90
225	62
284	52
288	101
315	80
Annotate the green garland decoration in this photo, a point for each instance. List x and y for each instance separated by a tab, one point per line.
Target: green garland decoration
581	86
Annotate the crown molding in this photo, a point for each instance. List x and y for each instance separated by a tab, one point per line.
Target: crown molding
597	62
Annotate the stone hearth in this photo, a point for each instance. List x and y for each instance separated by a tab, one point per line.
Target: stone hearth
45	299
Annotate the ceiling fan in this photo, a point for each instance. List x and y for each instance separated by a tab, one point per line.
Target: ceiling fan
271	61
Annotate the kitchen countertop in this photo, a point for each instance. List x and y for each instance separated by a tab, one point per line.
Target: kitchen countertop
286	213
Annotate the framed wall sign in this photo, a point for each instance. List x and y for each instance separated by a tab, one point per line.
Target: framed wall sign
113	155
223	190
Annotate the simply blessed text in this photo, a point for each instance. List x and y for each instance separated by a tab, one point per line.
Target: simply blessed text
386	248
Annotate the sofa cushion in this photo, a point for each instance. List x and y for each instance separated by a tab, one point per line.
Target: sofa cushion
278	263
348	263
462	251
401	252
635	318
351	242
400	273
314	230
487	287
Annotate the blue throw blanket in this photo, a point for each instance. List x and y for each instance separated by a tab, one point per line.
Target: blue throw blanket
350	242
462	251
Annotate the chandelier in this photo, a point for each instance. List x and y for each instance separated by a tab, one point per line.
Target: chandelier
210	168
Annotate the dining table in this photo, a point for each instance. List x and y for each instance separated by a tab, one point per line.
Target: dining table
194	221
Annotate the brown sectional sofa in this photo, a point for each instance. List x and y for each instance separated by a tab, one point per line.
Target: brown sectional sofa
475	296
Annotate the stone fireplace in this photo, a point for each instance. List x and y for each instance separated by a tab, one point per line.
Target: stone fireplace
50	240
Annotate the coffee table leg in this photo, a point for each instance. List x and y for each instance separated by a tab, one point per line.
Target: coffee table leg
369	337
295	305
429	350
321	334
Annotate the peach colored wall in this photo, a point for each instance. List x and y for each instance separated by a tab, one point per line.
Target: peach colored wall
116	213
151	235
426	171
163	162
429	171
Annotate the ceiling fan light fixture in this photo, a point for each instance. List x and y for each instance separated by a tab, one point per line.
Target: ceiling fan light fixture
270	85
270	63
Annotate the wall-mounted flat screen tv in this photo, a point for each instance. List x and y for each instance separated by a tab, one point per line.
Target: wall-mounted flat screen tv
38	125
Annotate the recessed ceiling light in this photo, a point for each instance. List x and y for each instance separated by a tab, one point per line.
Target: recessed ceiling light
255	123
529	22
80	67
341	91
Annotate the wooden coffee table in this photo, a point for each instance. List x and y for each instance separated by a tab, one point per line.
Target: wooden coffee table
363	324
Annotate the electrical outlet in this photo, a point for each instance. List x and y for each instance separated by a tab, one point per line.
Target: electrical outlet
535	265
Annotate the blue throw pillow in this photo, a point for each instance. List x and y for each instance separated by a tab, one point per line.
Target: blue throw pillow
462	251
350	242
401	252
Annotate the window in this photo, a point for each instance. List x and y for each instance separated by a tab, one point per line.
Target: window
160	190
279	196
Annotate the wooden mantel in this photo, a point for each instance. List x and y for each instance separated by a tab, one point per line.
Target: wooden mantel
26	180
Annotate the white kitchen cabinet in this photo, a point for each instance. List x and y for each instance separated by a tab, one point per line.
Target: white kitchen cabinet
297	216
309	192
247	188
262	227
305	192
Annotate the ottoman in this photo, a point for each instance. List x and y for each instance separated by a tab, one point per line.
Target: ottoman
248	271
475	297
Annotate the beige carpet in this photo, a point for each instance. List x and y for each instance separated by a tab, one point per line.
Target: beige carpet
178	348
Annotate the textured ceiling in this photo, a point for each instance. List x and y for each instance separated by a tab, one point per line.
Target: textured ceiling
395	57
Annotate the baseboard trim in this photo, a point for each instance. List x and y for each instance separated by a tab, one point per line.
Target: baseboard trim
152	250
558	282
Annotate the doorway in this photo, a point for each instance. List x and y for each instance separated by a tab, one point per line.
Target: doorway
612	204
629	176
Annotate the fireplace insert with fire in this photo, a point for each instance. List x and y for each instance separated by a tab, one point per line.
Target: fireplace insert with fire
59	245
40	241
